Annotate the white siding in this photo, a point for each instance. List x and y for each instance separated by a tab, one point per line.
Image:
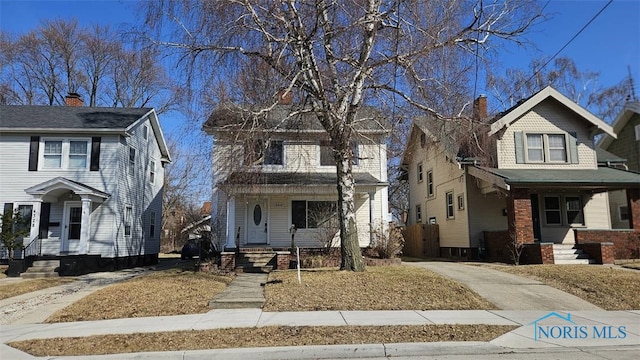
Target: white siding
106	236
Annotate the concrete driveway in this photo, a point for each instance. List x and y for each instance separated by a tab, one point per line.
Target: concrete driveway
507	291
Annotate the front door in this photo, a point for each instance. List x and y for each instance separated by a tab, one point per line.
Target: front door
72	224
535	214
257	226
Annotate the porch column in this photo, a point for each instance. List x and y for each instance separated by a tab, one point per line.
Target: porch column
633	206
520	216
85	226
231	222
372	212
35	220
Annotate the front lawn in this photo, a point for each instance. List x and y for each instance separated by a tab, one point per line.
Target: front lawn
607	287
378	288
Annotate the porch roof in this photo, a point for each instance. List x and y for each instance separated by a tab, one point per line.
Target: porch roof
600	179
62	184
252	182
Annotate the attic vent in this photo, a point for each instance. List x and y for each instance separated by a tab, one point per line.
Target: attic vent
423	139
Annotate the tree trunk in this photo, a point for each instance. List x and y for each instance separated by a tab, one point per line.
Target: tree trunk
350	248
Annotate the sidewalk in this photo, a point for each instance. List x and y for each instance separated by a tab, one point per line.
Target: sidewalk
521	339
550	313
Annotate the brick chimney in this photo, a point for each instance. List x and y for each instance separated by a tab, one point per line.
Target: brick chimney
73	99
480	107
285	97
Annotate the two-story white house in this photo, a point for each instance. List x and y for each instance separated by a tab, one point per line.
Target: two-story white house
544	186
89	179
275	169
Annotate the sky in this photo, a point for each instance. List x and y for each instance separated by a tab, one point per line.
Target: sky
610	45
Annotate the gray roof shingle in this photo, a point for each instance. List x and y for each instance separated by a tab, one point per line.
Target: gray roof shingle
14	117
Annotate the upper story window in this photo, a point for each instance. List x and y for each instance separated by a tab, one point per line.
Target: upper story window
152	171
145	132
327	156
265	153
420	175
418	214
430	183
65	153
449	200
132	161
546	148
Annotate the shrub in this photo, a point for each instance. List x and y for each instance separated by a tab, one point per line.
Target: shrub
388	240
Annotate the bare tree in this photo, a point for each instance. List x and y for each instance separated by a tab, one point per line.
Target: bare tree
59	57
579	85
338	55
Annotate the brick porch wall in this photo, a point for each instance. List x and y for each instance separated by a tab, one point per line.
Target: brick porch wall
498	248
228	261
602	252
519	215
626	243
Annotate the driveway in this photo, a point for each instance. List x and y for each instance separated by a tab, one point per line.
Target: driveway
507	291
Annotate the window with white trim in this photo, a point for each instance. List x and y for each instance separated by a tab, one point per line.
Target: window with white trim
461	202
552	211
327	157
449	201
546	148
128	217
260	152
66	154
563	210
418	214
312	214
420	175
132	161
430	183
145	132
152	171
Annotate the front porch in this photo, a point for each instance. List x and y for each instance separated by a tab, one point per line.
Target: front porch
544	209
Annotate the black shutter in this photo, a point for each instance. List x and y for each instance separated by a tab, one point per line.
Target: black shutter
33	153
95	153
8	209
45	210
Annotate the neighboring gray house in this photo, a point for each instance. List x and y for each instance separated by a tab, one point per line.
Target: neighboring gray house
89	178
627	146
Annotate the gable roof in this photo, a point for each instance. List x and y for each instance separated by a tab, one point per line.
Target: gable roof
620	122
525	106
79	120
285	118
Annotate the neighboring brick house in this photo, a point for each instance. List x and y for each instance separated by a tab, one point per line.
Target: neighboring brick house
89	178
545	187
627	146
275	169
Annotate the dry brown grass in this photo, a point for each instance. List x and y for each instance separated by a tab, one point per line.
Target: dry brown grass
603	286
3	268
168	292
257	337
22	287
379	288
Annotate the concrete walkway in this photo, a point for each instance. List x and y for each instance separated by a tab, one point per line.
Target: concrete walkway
507	291
621	339
245	291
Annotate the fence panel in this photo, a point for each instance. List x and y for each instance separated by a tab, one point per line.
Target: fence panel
422	241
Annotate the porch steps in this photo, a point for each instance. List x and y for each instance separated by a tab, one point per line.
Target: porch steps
42	269
255	261
568	254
